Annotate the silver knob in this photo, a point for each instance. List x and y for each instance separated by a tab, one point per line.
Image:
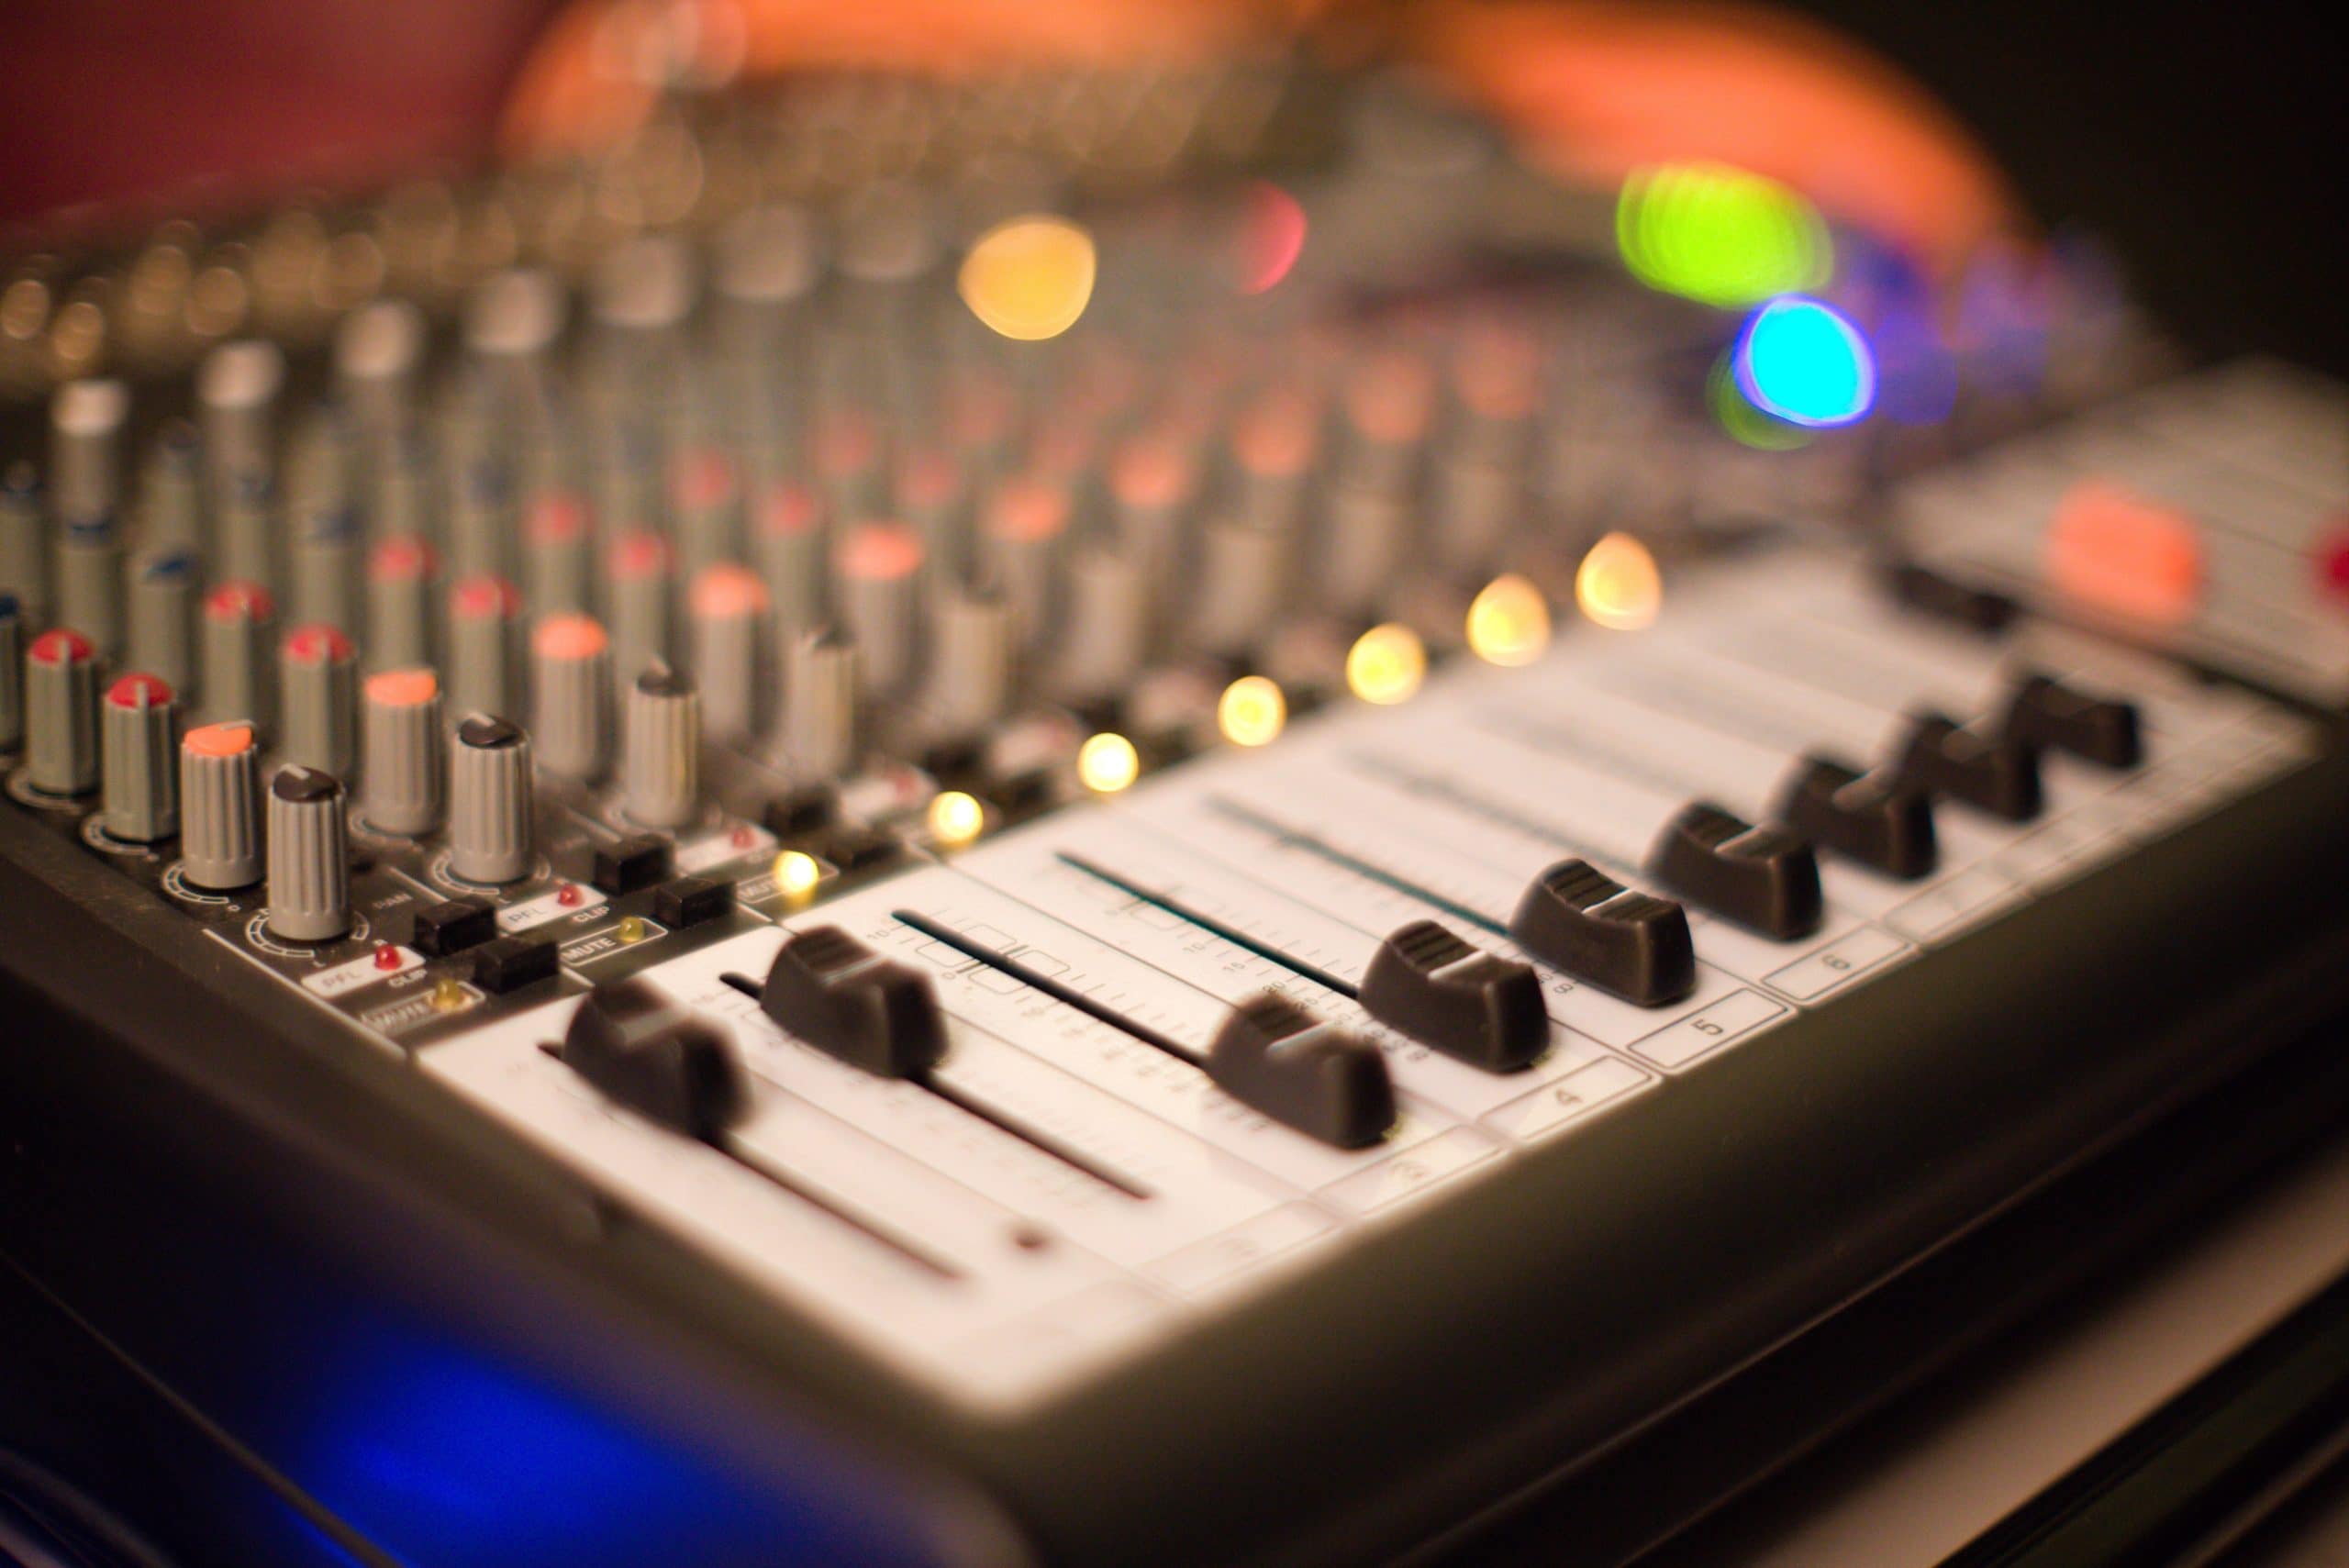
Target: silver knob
162	614
1108	637
86	421
89	578
60	713
972	635
400	572
1243	573
726	608
23	543
239	623
789	542
819	705
878	567
570	685
235	403
484	615
220	806
400	766
325	571
318	682
1021	548
139	793
309	857
638	585
489	801
661	746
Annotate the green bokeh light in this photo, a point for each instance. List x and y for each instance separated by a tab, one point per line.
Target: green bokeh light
1719	235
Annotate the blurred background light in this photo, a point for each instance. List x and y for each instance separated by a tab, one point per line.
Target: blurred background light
1252	711
1508	621
1618	585
1802	362
1385	664
1745	423
1719	235
1272	236
1029	278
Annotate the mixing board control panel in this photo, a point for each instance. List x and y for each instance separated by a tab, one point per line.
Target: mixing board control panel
1026	850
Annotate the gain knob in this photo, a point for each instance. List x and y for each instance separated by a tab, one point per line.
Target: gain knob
141	789
489	801
661	762
220	806
60	717
571	685
401	758
309	858
318	682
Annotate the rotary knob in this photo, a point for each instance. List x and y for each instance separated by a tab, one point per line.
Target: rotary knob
140	785
309	858
489	801
220	806
60	718
317	684
401	762
819	705
661	764
571	683
238	617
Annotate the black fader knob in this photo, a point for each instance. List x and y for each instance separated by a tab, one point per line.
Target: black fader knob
1998	776
1275	1057
1759	877
1425	982
848	1001
2043	711
647	1052
1633	945
1885	826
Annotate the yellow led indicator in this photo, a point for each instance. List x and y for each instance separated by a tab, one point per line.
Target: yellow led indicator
1252	711
1029	278
1508	621
1618	585
631	927
1106	763
796	873
1386	665
956	818
448	996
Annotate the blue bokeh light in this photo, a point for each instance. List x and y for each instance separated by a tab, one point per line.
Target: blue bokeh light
1803	362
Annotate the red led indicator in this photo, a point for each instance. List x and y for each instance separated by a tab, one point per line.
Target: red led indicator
568	896
387	957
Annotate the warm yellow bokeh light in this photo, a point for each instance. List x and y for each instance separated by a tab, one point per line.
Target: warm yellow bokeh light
1385	664
1252	711
796	873
956	818
1107	762
1508	621
1618	584
1029	278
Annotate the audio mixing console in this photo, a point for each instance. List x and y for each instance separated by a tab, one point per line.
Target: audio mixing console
1218	939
